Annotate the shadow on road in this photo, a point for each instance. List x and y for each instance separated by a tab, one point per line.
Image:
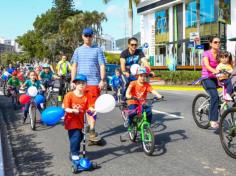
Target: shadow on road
30	159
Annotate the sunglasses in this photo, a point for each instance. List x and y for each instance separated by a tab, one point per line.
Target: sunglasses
216	42
90	36
133	44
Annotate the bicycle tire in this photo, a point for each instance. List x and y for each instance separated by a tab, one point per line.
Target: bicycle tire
198	113
51	101
148	141
33	118
5	88
230	133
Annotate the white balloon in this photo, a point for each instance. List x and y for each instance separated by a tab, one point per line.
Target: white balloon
32	91
134	68
6	73
105	103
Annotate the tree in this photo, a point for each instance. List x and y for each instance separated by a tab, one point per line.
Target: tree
130	13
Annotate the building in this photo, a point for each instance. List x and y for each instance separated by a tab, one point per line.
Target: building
180	29
9	45
107	43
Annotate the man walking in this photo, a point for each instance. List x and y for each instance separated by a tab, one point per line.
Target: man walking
90	61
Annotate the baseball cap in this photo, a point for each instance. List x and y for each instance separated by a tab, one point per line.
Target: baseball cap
80	77
87	31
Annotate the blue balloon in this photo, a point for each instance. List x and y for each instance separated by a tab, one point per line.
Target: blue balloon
4	77
39	99
52	115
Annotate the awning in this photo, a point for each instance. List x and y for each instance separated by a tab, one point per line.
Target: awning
232	39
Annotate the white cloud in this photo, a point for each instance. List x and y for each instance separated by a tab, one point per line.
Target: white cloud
114	10
78	3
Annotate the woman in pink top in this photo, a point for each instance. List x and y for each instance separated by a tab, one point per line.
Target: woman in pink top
210	84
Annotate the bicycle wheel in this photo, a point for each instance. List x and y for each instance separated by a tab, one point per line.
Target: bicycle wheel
52	100
148	141
228	132
5	88
200	110
32	115
133	133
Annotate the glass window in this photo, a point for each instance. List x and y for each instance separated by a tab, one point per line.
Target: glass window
207	11
161	21
191	15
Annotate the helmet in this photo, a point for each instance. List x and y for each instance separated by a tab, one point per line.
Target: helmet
14	73
141	70
46	66
80	77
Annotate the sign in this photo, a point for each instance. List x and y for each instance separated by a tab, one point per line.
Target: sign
199	46
190	44
193	36
145	45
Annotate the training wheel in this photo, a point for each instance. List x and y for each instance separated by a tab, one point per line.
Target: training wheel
121	140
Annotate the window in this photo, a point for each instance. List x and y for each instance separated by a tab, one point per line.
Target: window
191	15
161	22
207	12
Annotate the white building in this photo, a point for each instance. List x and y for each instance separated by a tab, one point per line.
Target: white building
231	29
107	43
11	43
181	29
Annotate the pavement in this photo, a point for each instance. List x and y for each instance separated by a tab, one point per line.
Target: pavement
181	148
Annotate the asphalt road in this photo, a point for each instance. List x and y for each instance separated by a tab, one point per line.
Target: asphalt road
182	149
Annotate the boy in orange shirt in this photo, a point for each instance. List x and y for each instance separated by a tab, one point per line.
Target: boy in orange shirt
139	90
76	104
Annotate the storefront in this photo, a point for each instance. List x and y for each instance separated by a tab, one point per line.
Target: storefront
180	29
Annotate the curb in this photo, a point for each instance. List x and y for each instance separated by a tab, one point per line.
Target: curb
179	88
1	151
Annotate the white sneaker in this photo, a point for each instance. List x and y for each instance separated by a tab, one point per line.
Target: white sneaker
75	157
227	97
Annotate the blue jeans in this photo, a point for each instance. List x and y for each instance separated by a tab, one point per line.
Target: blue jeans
210	85
26	110
75	138
228	85
134	113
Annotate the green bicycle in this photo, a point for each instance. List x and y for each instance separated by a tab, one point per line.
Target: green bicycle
139	126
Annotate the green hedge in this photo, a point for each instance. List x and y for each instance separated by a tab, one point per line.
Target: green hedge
112	58
178	77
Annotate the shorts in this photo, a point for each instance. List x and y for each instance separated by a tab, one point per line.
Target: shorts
92	92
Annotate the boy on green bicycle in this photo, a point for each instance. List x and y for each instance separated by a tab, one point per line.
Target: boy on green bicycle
138	90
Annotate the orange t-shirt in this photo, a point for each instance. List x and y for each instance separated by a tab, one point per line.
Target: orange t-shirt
139	91
75	121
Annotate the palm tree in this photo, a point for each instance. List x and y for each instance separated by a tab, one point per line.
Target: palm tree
130	13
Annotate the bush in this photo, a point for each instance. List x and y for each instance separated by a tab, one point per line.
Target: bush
178	77
112	58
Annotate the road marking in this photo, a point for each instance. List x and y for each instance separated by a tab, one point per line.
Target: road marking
168	114
1	93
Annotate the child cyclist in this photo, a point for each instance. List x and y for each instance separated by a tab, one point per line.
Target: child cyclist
138	90
116	83
226	64
13	83
28	83
46	76
76	104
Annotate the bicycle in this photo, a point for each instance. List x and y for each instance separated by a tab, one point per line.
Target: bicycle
140	126
201	103
13	93
227	132
50	99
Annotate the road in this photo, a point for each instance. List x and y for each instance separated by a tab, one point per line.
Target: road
182	149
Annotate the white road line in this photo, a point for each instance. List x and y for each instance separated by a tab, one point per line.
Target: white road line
168	114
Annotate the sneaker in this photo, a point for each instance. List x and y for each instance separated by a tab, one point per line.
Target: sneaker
92	134
228	97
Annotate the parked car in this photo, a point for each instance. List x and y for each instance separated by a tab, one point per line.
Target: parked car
110	71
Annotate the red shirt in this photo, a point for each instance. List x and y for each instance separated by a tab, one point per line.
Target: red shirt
139	91
75	121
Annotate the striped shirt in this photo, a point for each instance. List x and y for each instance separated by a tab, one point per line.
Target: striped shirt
88	60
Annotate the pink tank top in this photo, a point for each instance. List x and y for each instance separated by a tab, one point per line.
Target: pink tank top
212	62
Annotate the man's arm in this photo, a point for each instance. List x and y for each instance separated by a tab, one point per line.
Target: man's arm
122	64
73	71
103	72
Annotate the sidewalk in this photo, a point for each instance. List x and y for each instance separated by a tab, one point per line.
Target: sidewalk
160	85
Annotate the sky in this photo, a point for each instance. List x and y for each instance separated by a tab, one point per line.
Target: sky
17	16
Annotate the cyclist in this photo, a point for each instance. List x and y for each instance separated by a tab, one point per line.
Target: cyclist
28	83
131	56
13	84
63	71
138	89
10	69
46	76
